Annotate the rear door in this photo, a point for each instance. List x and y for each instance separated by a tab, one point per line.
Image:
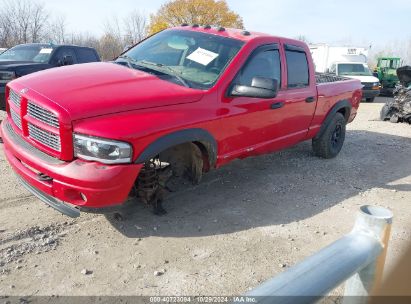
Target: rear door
85	55
301	95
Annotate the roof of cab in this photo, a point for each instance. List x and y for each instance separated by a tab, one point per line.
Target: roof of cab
238	34
44	45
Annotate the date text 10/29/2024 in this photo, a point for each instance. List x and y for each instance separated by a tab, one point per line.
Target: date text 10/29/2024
204	299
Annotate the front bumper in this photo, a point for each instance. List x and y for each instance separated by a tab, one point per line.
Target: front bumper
370	93
78	183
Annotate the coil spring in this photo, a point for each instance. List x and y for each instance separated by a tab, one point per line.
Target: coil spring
147	184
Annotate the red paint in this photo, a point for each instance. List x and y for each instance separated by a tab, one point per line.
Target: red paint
112	101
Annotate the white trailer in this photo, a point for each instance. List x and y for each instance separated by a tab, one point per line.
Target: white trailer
324	55
346	61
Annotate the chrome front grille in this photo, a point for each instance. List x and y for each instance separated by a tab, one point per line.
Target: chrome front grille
45	137
16	118
42	115
15	98
367	85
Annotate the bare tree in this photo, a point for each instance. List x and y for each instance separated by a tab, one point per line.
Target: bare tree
22	21
112	41
38	16
58	30
26	21
135	26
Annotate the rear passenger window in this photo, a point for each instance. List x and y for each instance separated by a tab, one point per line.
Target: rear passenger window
264	64
86	55
297	69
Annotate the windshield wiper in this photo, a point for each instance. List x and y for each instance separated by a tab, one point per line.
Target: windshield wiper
162	66
131	62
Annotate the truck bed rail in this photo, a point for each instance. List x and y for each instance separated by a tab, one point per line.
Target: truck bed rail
328	77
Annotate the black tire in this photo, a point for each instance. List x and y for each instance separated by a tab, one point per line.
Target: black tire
329	144
387	111
371	99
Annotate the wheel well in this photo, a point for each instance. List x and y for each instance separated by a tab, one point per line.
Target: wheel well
207	155
343	107
201	138
345	112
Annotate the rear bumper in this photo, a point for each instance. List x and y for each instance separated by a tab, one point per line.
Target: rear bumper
79	183
370	93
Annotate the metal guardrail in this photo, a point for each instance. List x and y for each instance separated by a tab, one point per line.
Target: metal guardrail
357	258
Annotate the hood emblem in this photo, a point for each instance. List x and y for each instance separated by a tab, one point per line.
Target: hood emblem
24	91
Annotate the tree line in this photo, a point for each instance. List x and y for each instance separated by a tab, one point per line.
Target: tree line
28	21
25	21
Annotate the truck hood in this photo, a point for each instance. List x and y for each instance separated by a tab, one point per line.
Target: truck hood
23	67
7	62
94	89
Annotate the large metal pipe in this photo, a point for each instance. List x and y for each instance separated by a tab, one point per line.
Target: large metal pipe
318	274
376	221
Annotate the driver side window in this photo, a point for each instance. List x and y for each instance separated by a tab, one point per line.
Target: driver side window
263	64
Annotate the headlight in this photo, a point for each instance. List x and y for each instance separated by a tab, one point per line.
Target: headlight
7	76
375	84
102	150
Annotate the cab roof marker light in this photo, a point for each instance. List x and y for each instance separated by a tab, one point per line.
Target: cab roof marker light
221	29
184	24
246	33
207	27
195	25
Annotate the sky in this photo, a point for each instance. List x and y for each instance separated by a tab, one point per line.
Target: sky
360	22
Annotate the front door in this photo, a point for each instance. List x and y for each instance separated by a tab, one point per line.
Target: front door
251	123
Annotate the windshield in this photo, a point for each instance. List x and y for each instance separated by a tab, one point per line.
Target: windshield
390	63
188	58
354	69
27	53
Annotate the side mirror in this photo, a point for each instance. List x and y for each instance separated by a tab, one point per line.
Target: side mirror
68	60
261	87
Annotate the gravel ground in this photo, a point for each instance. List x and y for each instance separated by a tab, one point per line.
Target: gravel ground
243	224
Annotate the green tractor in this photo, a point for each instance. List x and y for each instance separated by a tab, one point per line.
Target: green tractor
386	72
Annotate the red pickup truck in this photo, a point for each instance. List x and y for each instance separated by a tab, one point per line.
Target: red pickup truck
184	101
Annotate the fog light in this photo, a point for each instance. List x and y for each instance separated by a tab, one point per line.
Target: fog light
84	197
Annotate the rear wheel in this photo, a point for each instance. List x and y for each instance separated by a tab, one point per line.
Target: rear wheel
329	144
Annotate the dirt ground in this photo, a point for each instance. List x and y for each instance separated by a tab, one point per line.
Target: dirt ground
243	224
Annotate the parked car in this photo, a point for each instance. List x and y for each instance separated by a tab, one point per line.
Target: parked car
182	102
29	58
348	62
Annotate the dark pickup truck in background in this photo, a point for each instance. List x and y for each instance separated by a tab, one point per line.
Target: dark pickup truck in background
29	58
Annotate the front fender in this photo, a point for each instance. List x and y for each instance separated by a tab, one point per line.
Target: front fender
180	137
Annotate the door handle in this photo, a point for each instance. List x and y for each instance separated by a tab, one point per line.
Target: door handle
310	99
277	105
